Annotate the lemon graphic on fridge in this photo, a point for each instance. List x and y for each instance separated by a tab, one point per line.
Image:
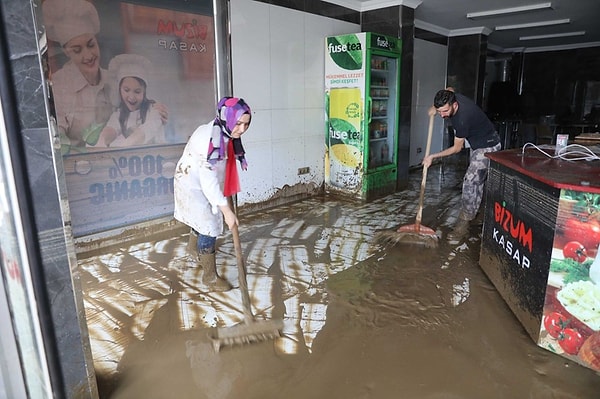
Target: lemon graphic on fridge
345	114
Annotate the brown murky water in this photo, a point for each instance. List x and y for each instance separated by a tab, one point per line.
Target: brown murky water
362	320
392	331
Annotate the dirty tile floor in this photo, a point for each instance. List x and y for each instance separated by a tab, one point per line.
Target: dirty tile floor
294	254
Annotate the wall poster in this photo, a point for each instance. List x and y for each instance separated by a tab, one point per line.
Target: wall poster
129	85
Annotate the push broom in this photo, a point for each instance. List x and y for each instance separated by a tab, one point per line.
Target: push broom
416	233
250	330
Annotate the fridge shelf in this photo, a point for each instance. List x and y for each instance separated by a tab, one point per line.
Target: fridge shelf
379	98
379	117
379	86
379	139
379	63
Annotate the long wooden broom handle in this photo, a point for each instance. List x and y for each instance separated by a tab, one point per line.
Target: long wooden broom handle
241	267
424	179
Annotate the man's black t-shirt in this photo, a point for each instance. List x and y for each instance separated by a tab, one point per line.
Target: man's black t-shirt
471	123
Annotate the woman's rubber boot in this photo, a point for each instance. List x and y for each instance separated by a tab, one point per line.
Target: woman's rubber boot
210	277
192	243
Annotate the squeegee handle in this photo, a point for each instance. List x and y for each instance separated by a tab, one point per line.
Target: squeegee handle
241	269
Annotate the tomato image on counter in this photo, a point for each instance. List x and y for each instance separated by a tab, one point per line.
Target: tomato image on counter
559	327
575	250
555	323
570	340
585	231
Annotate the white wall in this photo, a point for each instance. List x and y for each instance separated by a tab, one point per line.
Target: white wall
429	71
278	68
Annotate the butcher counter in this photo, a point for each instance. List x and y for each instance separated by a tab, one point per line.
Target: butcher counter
540	239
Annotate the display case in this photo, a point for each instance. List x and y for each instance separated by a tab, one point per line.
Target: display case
362	106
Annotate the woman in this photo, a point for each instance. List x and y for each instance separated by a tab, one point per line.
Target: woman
80	88
208	160
136	122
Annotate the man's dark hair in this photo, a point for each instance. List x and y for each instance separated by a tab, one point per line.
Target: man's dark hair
444	97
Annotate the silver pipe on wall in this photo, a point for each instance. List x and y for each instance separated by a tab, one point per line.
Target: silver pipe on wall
223	66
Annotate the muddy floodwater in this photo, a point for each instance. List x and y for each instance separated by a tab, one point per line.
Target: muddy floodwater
362	318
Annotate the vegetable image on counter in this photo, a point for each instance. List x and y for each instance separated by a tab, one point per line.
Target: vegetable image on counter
571	318
575	250
579	220
582	230
555	323
572	311
570	340
571	270
571	321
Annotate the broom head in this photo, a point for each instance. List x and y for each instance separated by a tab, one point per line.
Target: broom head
412	234
248	332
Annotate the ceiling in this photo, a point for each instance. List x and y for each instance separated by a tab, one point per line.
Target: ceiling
449	18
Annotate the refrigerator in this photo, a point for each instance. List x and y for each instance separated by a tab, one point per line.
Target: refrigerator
362	95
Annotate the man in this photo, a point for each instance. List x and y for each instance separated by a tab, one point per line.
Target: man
469	123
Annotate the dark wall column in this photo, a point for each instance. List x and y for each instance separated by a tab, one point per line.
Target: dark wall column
58	292
398	22
406	78
466	65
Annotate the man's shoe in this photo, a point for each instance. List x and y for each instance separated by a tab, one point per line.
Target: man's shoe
461	228
478	221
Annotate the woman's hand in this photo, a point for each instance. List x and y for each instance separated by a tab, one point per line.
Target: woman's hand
230	217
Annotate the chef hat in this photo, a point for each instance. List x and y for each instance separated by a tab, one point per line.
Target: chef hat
66	19
124	65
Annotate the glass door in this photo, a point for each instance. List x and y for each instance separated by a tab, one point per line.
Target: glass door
384	110
23	366
24	369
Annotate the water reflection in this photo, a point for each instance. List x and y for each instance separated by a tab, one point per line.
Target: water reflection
346	301
290	253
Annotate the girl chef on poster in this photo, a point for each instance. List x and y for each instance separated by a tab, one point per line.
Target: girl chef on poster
136	121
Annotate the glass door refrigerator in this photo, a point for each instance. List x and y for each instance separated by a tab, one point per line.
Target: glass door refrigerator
362	74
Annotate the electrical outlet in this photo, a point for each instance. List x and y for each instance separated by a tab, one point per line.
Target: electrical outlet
303	171
419	150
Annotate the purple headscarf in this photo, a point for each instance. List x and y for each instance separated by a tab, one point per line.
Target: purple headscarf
229	111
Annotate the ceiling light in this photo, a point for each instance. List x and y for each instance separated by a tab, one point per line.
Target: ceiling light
552	36
534	24
510	10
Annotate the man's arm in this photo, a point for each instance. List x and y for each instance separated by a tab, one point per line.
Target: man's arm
455	149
